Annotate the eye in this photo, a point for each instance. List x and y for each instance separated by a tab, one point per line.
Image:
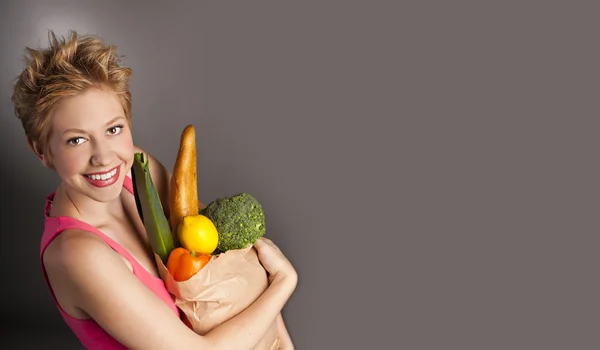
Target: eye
75	141
115	130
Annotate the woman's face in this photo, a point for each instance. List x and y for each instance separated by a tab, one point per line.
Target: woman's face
91	145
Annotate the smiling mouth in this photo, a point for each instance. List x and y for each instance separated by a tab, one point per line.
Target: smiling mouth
102	176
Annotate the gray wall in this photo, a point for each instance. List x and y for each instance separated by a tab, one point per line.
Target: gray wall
431	170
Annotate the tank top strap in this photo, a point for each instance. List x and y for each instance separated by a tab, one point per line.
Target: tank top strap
128	184
58	225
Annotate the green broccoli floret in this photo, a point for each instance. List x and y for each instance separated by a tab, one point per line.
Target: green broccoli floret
239	219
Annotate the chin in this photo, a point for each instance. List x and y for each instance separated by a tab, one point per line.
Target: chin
104	194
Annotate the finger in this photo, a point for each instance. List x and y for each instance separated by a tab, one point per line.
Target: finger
259	243
265	240
272	244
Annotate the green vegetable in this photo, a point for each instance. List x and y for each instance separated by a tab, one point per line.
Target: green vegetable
239	219
150	208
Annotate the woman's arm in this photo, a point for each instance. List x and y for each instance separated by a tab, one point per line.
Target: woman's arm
110	294
285	341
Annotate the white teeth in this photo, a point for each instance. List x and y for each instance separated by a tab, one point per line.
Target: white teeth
103	176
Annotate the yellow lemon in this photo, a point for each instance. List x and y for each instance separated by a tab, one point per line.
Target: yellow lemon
198	233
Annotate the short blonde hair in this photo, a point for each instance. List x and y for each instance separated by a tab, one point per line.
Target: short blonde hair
69	66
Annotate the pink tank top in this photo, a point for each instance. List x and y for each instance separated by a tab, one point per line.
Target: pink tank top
91	335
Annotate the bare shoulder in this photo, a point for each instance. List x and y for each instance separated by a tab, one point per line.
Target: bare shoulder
74	249
71	263
76	254
95	280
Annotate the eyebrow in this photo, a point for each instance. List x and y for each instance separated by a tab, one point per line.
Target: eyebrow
80	131
114	120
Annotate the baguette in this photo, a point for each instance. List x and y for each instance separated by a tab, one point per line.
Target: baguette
183	193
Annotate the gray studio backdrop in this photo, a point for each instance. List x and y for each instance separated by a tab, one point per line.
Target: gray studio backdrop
429	168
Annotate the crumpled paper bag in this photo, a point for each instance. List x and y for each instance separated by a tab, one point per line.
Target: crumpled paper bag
224	287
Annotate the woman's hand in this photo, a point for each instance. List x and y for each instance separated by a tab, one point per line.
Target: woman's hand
273	260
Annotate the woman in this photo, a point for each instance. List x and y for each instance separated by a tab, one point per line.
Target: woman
74	103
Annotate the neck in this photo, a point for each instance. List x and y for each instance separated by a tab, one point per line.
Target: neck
85	208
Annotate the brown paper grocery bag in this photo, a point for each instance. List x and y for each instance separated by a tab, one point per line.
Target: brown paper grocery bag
228	284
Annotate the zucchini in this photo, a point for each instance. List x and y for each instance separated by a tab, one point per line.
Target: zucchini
150	208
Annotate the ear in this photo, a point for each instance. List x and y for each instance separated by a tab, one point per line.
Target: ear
34	147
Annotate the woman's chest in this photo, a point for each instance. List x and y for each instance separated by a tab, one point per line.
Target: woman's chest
126	228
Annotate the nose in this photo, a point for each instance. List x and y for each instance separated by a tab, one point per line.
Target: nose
102	154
